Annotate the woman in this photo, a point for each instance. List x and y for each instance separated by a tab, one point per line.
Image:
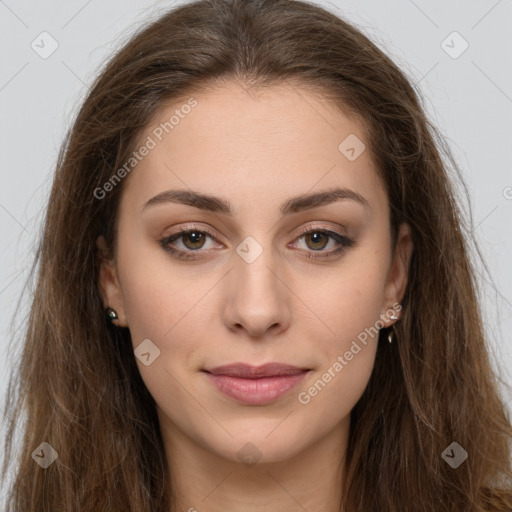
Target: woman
254	290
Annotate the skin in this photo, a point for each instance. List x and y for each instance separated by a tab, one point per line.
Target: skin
256	151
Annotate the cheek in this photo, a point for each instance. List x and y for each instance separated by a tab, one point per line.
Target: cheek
349	298
349	304
156	294
169	306
346	353
164	308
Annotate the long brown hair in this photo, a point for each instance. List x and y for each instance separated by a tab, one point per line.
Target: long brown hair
77	384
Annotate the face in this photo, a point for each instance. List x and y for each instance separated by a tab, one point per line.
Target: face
259	276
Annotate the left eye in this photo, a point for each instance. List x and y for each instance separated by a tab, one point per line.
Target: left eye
319	239
193	240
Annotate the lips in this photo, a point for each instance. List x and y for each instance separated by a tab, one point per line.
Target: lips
248	371
256	385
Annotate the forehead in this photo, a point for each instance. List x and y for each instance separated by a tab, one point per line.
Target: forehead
279	142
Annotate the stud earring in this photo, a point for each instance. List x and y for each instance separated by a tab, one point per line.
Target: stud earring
111	314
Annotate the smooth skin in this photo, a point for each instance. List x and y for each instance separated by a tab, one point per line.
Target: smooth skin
256	151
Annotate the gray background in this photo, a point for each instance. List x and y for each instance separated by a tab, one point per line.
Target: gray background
469	98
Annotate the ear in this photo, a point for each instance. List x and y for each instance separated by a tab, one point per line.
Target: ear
108	283
398	275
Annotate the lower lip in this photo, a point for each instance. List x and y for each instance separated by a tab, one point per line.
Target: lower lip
256	391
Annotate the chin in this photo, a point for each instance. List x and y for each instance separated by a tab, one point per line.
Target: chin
257	443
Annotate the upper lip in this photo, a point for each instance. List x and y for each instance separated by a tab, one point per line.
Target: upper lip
248	371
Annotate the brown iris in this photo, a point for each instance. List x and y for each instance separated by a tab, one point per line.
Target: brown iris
318	237
196	237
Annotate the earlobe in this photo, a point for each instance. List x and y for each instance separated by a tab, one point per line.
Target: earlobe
108	283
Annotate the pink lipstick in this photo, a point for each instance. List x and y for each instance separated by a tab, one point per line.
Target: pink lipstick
256	385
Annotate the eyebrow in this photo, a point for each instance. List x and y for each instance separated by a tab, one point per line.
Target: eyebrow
295	204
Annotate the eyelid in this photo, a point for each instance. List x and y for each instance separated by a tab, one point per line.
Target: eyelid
341	239
308	229
191	227
303	230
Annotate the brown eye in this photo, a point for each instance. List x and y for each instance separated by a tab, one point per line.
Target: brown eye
188	244
193	242
319	239
196	239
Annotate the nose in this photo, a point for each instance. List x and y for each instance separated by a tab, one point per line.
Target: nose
258	299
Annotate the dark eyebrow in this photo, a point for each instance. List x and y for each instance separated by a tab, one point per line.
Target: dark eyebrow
293	205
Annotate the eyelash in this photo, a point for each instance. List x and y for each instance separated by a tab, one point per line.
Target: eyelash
343	240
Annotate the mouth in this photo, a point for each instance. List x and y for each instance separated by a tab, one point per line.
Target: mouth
256	385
